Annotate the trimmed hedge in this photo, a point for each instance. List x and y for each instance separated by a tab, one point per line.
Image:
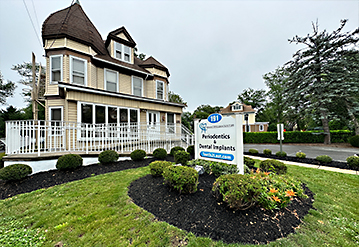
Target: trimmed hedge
182	157
353	162
160	153
337	136
273	166
156	167
354	141
138	155
190	150
15	172
69	162
108	156
175	149
181	178
1	161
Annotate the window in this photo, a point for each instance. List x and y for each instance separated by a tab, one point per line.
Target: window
56	118
122	52
137	86
236	107
171	122
111	81
159	89
56	68
86	114
112	115
261	127
100	114
78	72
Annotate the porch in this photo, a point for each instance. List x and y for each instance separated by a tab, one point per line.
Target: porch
34	138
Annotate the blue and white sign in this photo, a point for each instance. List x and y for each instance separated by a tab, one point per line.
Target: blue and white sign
220	138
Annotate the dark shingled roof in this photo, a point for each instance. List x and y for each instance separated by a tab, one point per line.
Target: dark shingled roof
73	23
228	109
151	62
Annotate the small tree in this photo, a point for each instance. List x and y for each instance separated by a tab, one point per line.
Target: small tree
6	89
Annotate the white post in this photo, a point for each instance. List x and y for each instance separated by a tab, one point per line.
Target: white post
239	143
196	149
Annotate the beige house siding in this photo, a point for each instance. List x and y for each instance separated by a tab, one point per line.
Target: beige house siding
72	111
54	43
157	72
122	36
125	84
151	88
78	46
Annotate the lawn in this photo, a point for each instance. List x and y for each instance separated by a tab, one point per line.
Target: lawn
97	211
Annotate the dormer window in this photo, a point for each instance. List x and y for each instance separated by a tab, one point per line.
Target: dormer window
237	107
122	52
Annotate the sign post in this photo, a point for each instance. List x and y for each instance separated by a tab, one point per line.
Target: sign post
219	138
280	131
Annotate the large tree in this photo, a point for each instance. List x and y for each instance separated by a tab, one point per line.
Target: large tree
176	98
311	83
6	89
255	98
203	111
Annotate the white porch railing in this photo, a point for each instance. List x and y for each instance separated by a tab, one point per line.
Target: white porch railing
39	137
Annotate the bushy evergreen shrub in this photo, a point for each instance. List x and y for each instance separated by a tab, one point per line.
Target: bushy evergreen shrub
267	151
15	172
1	161
182	157
253	151
273	166
156	167
175	149
160	153
300	155
249	162
353	162
220	168
324	159
108	156
354	141
181	178
69	162
138	155
281	154
190	150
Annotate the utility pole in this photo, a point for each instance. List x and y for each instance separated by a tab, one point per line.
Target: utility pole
34	90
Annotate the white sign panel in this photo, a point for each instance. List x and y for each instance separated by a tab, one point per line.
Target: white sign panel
220	139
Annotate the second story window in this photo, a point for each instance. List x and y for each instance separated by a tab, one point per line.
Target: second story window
137	86
122	52
78	72
111	81
56	69
159	89
236	107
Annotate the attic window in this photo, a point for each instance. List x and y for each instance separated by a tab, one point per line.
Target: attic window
236	107
122	52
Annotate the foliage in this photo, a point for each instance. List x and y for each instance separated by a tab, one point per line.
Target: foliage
156	167
354	141
190	150
140	56
203	111
353	161
69	162
175	149
15	172
108	156
160	153
324	159
281	154
300	155
254	98
176	98
187	120
253	151
1	161
249	162
267	151
182	157
181	178
213	167
6	89
273	166
138	155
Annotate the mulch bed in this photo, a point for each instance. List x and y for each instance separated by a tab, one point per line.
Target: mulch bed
337	164
199	213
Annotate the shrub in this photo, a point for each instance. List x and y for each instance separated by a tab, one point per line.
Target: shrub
267	151
220	168
249	162
273	166
253	151
138	155
69	162
160	153
354	141
190	150
281	154
240	192
353	161
323	159
300	155
108	156
15	172
182	157
206	164
181	178
1	161
175	149
156	167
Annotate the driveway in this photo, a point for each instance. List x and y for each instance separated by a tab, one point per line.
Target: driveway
339	152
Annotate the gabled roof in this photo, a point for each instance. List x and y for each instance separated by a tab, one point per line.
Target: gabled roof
114	35
72	22
228	110
151	62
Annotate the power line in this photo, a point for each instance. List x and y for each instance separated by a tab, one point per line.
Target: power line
37	20
37	35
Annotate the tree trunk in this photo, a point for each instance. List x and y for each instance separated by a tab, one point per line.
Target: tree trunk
326	129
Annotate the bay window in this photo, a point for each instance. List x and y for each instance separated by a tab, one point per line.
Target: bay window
159	90
56	68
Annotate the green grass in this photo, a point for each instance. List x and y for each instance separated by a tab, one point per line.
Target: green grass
98	212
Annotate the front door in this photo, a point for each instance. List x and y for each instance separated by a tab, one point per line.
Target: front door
153	120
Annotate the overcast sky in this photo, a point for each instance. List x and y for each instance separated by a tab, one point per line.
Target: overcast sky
213	49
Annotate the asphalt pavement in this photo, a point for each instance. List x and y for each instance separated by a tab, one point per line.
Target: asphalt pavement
336	152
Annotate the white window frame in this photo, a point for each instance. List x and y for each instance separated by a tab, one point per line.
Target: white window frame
133	85
163	89
50	118
61	68
105	80
71	70
122	52
174	122
237	105
261	127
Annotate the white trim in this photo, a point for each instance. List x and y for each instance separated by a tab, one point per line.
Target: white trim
122	52
105	79
62	119
261	127
133	85
85	70
61	68
121	66
163	89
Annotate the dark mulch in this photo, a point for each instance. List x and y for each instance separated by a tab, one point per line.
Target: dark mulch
337	164
201	214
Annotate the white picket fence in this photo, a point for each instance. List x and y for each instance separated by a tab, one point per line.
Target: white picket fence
39	137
